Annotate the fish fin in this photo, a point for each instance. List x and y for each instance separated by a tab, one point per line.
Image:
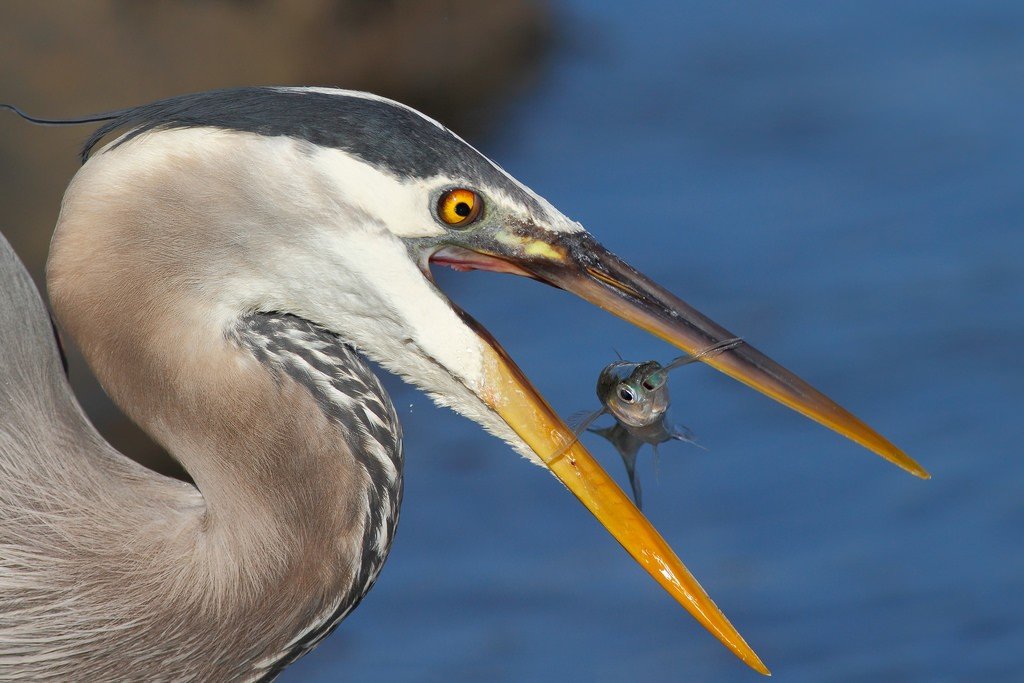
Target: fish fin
581	419
629	459
579	422
657	464
683	433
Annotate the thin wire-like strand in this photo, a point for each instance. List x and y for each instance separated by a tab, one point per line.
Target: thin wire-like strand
91	118
710	352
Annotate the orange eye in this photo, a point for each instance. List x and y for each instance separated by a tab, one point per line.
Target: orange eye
459	207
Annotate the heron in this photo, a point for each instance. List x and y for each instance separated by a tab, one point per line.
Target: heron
228	262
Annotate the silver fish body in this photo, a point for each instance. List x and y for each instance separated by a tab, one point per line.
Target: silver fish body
637	396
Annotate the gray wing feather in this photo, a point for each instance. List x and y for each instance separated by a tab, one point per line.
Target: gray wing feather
59	513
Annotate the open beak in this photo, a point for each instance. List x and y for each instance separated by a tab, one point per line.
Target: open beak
577	263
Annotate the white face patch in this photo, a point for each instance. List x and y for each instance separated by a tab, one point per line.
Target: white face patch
400	206
406	207
279	224
370	291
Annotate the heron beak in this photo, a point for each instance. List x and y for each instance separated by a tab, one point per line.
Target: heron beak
579	264
511	395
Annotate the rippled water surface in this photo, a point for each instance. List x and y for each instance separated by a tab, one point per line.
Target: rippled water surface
840	183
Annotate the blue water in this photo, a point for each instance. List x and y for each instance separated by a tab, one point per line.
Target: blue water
840	183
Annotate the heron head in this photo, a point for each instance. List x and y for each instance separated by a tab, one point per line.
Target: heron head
332	206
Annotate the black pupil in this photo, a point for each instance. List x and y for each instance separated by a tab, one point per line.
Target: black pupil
462	209
625	394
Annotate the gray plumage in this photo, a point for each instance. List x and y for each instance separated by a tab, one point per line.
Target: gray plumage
350	395
109	571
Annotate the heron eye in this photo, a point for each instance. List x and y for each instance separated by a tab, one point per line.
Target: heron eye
626	394
460	207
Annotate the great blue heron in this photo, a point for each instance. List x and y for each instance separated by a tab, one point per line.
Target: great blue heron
223	265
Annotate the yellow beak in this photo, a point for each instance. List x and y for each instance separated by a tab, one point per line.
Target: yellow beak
578	264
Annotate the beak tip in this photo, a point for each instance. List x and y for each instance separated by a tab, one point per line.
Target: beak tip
905	462
731	638
755	663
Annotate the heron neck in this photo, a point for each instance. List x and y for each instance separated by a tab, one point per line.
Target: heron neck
289	437
151	273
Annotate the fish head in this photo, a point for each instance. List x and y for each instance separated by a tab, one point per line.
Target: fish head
636	394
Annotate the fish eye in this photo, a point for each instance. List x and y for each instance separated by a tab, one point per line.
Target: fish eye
626	394
459	207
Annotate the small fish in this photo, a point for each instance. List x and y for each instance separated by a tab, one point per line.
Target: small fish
636	395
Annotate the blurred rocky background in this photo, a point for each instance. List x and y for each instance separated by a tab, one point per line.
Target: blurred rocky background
457	60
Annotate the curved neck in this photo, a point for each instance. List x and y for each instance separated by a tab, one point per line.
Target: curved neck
289	437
